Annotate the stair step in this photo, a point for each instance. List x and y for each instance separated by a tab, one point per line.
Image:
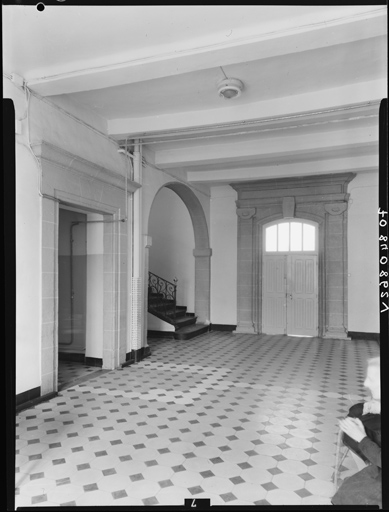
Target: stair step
162	305
179	320
161	309
156	300
190	331
184	321
179	313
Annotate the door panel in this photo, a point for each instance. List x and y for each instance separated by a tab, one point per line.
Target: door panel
302	295
274	294
290	295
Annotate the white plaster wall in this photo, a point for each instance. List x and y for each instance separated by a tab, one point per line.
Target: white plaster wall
28	255
28	273
77	110
56	127
156	324
363	254
95	287
224	225
40	120
171	254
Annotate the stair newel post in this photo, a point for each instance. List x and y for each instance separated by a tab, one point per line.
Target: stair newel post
175	280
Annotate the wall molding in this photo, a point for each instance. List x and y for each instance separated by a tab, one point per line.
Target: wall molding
336	182
73	165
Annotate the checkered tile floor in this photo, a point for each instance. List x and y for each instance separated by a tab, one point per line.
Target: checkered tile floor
239	419
69	372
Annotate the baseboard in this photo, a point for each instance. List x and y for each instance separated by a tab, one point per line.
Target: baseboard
76	357
31	398
222	327
80	358
27	396
160	334
136	355
94	361
356	335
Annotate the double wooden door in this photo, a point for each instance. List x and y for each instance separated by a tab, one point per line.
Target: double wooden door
290	294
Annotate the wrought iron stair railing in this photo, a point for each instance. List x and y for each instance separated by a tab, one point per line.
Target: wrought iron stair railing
162	297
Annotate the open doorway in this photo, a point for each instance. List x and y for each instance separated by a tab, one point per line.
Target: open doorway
171	265
80	294
179	249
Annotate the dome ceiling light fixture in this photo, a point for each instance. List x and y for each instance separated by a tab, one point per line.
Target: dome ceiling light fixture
229	88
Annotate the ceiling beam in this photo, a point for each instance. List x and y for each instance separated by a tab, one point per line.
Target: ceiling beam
368	163
365	92
282	145
114	70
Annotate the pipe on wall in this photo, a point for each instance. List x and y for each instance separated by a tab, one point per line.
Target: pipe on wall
72	225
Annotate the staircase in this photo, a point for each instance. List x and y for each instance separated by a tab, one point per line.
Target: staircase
162	303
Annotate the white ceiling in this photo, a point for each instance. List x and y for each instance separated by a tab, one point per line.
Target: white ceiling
313	78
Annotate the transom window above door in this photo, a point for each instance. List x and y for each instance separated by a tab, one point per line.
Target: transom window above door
290	236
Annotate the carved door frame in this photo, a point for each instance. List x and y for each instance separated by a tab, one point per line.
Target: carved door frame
322	199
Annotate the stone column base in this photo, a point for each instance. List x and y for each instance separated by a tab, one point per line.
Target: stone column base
244	328
336	334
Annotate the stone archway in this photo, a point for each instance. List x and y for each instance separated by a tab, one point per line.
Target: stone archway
202	252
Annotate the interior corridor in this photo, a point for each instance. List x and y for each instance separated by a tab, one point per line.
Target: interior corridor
239	419
71	372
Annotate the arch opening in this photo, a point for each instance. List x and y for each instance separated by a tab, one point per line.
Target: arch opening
193	247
